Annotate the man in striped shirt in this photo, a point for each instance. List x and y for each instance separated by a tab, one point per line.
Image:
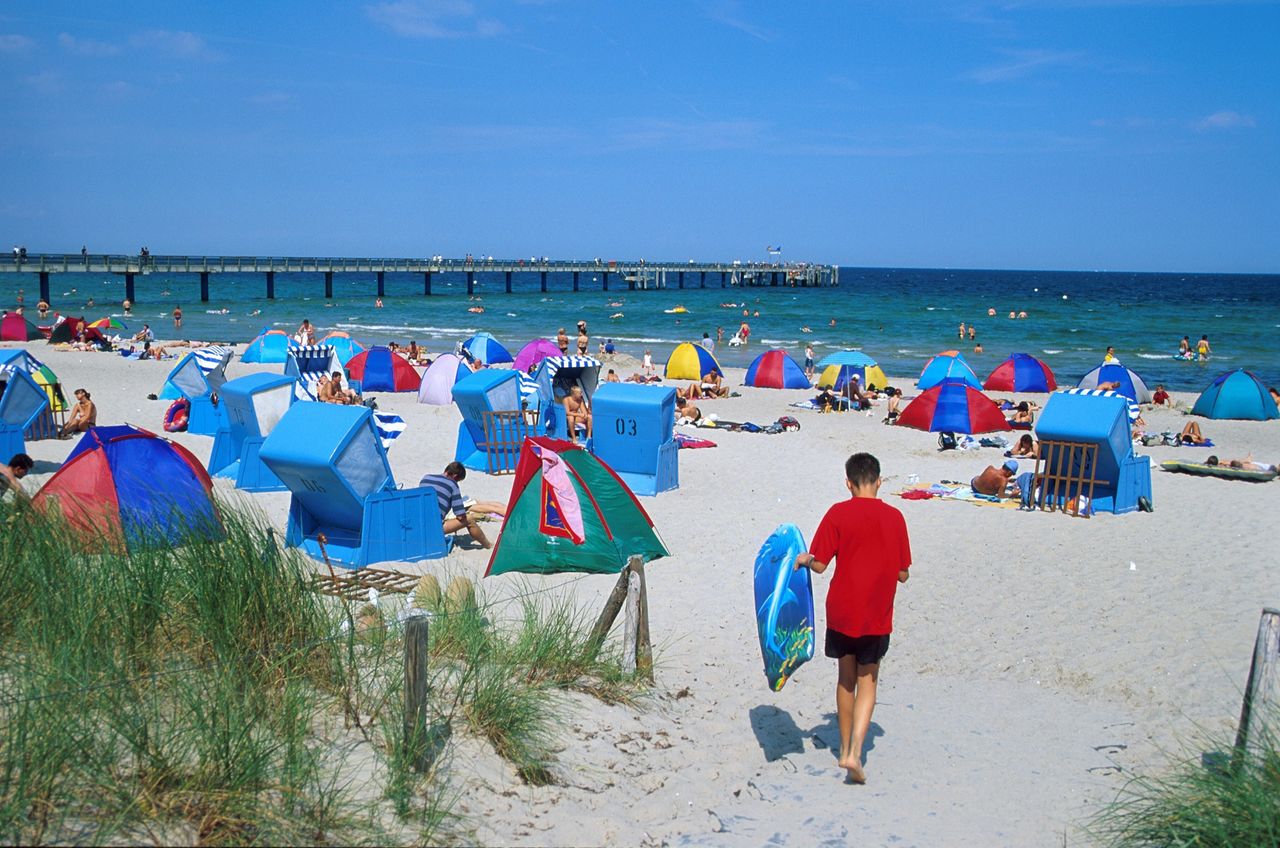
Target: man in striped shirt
453	511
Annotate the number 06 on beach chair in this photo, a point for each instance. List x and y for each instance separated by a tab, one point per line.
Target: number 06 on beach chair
331	459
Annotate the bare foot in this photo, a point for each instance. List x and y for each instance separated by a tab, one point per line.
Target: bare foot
853	768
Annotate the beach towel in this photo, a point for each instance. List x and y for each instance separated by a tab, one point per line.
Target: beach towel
690	442
955	492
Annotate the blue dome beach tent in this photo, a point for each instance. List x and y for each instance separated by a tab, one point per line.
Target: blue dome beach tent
199	372
21	405
948	365
774	369
1236	394
125	487
1127	382
269	346
690	361
343	345
485	348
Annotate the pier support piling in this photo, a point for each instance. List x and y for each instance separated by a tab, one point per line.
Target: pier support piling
680	279
542	281
773	279
723	278
508	282
204	286
575	280
426	282
271	285
44	286
382	283
128	288
702	279
605	276
471	282
328	285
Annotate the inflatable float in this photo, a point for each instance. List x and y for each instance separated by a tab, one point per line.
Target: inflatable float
784	605
679	310
1226	472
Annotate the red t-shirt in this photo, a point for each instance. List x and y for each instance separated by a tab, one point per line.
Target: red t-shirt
868	540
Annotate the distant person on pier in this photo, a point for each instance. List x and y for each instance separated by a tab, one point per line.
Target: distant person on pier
84	253
177	317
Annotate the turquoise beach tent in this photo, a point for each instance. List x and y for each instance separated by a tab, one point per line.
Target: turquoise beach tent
947	366
1236	394
269	346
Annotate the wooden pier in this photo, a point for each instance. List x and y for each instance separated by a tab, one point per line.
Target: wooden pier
630	275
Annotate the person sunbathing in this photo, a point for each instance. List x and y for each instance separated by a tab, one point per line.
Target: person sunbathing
1026	446
1246	464
1191	434
713	385
577	412
996	482
1022	416
83	415
333	392
692	392
687	413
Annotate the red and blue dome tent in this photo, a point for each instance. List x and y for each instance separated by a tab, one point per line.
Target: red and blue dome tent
1021	372
1236	394
953	406
948	365
379	369
16	328
269	346
774	369
690	361
132	488
1127	382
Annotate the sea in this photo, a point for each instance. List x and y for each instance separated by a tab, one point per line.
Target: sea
898	316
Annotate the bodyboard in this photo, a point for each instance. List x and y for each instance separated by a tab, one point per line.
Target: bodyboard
784	605
1224	471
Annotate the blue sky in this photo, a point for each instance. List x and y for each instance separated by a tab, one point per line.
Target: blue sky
1078	134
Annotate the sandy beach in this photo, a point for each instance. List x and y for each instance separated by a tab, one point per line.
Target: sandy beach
1038	661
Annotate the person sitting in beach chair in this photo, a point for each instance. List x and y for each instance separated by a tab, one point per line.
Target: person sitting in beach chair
1191	435
577	413
331	391
997	482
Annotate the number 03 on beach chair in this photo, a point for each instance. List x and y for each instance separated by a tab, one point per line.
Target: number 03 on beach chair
332	460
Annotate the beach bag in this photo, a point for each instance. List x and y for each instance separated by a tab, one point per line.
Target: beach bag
947	441
788	423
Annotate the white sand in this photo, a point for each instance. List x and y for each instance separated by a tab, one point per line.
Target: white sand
1032	671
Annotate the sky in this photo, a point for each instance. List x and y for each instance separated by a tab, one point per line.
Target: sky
1036	134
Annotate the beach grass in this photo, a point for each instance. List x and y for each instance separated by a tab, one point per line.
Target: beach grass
205	692
1232	803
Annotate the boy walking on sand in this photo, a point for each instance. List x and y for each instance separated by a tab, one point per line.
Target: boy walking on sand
867	538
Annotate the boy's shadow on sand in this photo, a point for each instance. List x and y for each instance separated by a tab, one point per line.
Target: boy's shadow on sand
777	733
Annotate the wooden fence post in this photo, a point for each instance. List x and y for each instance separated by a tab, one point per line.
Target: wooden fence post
1262	694
644	647
612	607
632	591
416	632
632	621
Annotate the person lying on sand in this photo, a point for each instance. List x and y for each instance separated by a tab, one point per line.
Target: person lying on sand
1246	464
686	412
692	392
997	482
1026	446
1191	434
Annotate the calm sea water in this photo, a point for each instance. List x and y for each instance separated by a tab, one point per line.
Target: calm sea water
898	316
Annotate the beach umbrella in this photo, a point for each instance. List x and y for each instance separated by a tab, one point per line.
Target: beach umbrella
343	345
1021	372
16	328
953	406
487	349
1127	382
948	365
437	382
838	376
774	369
1236	394
127	486
108	323
846	357
690	361
534	352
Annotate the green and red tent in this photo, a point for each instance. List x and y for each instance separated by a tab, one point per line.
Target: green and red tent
569	512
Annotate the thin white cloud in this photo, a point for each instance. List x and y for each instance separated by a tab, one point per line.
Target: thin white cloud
1024	62
434	19
1225	120
729	13
179	43
86	46
14	43
45	82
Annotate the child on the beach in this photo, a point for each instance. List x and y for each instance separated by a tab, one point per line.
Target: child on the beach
868	540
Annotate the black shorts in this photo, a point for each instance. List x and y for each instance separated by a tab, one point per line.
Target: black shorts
867	650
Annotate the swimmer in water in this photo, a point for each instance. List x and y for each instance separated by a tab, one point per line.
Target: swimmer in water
1022	314
991	313
377	303
1013	315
